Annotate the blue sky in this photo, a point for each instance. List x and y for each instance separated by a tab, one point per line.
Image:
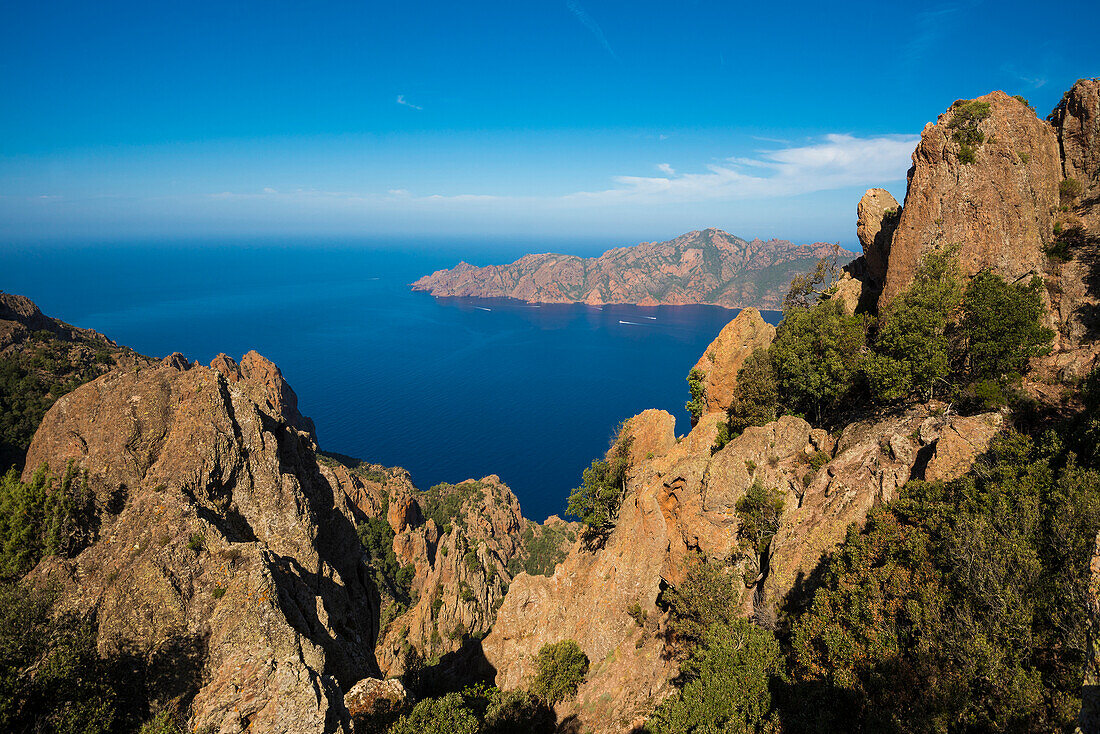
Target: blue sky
559	119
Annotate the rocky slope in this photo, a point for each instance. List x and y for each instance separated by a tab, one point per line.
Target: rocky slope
229	559
41	359
708	266
1000	209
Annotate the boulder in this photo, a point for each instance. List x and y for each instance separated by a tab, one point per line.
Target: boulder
727	353
876	219
960	443
372	697
997	209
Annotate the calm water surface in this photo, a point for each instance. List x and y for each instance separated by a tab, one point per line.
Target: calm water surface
448	388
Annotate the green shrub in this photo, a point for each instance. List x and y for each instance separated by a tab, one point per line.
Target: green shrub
721	438
596	502
698	402
446	504
964	128
758	514
755	395
51	676
447	714
1001	326
161	723
637	614
376	537
817	357
473	563
725	684
958	606
912	347
705	597
545	546
561	668
219	592
1070	189
196	543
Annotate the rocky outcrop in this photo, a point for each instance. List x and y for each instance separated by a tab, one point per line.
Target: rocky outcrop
462	572
223	547
276	394
960	443
708	266
1077	121
371	698
681	502
998	209
725	356
45	353
876	218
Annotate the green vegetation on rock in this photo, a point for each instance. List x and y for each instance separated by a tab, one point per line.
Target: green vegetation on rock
561	668
596	502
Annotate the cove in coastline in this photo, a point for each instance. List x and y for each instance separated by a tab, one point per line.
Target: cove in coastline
448	388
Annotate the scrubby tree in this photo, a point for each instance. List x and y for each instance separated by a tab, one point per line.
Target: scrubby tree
817	356
958	607
560	670
912	347
1001	327
758	514
755	395
809	289
698	402
447	714
706	596
596	502
726	684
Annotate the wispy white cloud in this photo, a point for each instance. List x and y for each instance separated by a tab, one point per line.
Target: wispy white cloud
402	101
1030	80
588	22
837	161
832	162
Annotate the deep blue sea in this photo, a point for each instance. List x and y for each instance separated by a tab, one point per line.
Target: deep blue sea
449	389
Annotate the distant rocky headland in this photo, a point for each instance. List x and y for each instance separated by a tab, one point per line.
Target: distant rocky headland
701	267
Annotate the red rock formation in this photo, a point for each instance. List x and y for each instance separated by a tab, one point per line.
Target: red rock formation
726	355
876	218
709	266
998	209
223	544
1077	121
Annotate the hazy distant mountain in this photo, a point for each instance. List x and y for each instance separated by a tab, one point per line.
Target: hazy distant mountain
708	266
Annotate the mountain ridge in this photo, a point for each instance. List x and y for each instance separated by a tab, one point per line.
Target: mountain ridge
708	266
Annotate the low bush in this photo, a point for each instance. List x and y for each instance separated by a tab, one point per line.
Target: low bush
560	669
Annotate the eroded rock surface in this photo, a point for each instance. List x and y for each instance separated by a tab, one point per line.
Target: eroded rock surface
727	354
1077	121
999	209
222	548
876	218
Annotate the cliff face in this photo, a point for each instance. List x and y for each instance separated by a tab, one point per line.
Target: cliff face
997	208
709	266
227	557
224	549
1077	121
